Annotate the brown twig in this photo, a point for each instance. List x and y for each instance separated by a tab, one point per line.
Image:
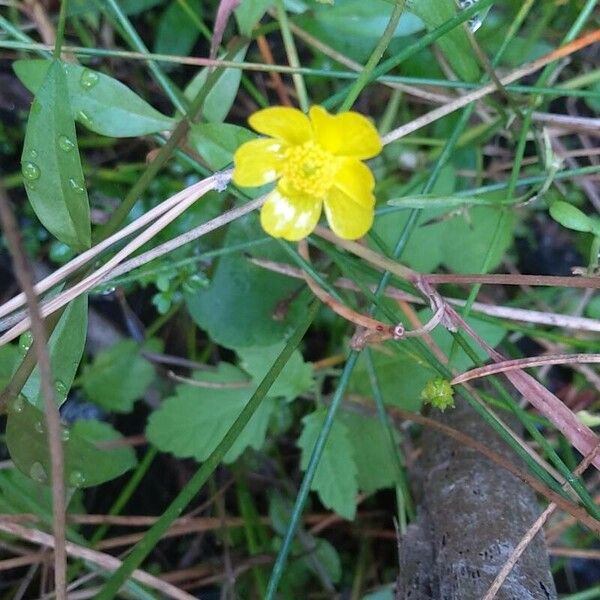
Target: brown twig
276	79
53	428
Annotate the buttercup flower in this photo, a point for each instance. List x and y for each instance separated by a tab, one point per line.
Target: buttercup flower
316	161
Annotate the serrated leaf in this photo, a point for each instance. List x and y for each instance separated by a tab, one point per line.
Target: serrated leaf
66	348
454	44
371	450
239	306
335	479
220	98
118	377
248	14
217	142
86	464
295	378
51	166
176	32
571	217
99	102
195	420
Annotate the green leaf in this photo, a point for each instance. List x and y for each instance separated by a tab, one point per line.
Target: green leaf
66	348
51	166
295	378
217	142
335	479
176	32
220	98
401	377
99	102
248	14
9	358
571	217
238	308
454	44
371	451
86	464
118	377
195	420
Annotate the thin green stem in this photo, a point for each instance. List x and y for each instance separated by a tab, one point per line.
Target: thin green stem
367	72
292	55
191	489
60	30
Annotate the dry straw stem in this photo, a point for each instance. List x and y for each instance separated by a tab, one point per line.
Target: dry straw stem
533	531
103	561
25	279
493	310
523	71
525	363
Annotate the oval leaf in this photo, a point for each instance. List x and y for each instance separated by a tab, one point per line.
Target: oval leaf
571	217
99	102
51	166
66	348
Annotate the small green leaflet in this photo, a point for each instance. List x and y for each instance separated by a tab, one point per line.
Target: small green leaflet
177	32
51	166
571	217
99	102
86	463
195	420
66	348
117	377
335	479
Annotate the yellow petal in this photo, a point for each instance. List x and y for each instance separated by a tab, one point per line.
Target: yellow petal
346	134
257	162
289	216
283	123
355	179
347	218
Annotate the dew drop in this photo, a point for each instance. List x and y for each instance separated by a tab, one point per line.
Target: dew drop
39	427
65	144
65	435
30	171
38	473
84	118
33	153
61	390
18	404
76	478
76	187
25	342
88	79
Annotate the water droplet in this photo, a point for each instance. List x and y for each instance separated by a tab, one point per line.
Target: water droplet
65	144
65	435
61	390
76	478
30	171
33	153
88	79
39	427
76	187
38	473
18	403
25	342
84	118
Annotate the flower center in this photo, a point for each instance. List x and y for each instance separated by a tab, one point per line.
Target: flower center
308	168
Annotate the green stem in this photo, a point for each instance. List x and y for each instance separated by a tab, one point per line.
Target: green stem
292	55
366	74
60	30
191	489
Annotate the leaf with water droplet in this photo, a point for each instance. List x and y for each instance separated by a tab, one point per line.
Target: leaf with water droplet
25	342
99	102
65	144
66	347
64	211
88	460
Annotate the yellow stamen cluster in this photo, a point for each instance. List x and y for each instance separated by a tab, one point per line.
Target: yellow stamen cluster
309	169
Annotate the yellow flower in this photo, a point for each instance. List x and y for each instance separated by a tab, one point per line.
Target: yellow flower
316	161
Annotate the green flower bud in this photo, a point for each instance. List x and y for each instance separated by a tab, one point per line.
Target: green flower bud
439	393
